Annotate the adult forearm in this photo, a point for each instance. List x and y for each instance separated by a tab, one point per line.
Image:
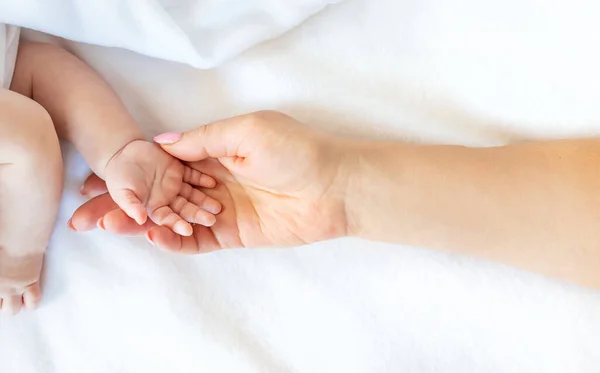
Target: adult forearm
535	206
85	110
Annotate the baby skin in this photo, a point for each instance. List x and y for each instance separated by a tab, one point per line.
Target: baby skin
55	95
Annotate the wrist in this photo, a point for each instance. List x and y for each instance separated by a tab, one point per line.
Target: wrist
376	188
110	151
355	158
354	164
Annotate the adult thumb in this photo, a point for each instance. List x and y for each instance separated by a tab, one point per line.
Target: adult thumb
215	140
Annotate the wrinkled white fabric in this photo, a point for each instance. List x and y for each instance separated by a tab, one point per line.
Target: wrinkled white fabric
201	33
9	44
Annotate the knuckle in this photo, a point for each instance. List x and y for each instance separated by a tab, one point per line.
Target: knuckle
159	215
262	118
178	204
186	191
196	176
198	197
271	114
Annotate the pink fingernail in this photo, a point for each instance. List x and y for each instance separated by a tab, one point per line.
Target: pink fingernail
168	138
82	191
100	224
149	239
70	225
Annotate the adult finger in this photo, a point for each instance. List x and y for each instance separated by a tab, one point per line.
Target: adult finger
93	186
202	241
32	296
88	214
214	168
217	140
118	222
12	304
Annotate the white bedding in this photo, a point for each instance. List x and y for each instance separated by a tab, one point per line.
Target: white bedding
462	71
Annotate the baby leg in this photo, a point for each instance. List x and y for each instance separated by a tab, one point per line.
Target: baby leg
30	191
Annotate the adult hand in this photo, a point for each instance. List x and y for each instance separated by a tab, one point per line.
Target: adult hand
530	205
280	184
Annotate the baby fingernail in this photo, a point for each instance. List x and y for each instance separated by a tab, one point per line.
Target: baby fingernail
168	138
100	224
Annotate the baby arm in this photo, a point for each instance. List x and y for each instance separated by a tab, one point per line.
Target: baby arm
141	178
84	109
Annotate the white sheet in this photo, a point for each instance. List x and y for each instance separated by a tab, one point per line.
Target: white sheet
201	33
9	44
462	71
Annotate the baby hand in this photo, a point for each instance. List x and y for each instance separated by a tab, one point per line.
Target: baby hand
145	181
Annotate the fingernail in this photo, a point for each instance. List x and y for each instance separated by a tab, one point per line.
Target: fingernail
82	191
100	224
70	225
168	138
149	239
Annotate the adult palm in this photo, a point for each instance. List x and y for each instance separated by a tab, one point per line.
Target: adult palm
280	184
